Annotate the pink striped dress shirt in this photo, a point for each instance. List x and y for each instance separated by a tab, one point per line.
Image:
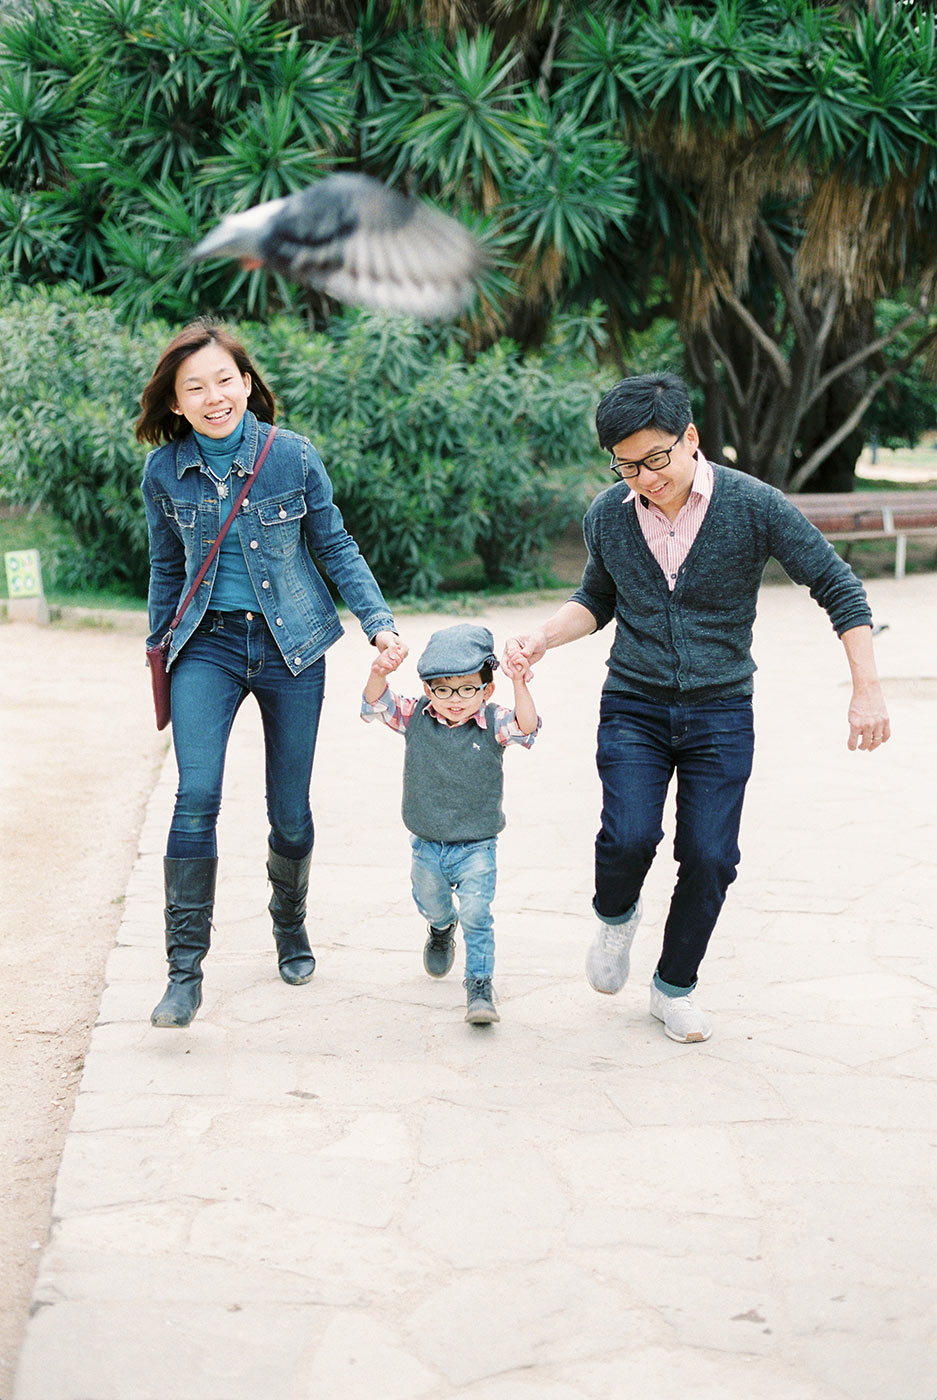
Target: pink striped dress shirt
670	541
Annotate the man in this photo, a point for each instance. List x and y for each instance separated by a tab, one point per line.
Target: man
676	555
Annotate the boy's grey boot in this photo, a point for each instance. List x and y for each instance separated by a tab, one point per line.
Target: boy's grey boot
190	898
290	881
439	949
480	1001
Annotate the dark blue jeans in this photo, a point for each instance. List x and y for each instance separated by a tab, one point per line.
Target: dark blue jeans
640	747
232	655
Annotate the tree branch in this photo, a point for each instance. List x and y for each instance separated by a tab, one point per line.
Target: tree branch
727	366
769	426
696	364
860	356
829	319
761	336
546	67
783	278
805	471
813	361
734	429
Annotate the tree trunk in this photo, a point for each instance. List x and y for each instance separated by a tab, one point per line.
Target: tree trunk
768	401
837	472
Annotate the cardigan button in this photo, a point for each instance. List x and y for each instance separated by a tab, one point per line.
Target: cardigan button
265	584
254	544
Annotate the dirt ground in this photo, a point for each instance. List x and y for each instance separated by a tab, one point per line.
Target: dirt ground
79	755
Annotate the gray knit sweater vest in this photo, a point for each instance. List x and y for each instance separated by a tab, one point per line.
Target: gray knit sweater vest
453	778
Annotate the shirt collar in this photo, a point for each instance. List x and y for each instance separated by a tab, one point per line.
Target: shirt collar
478	717
702	482
188	454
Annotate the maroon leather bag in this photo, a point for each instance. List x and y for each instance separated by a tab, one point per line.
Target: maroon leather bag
156	657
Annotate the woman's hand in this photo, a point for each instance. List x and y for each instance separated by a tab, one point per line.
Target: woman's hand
392	650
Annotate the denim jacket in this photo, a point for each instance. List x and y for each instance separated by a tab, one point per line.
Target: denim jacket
287	516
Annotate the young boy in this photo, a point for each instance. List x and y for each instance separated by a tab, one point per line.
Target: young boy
453	782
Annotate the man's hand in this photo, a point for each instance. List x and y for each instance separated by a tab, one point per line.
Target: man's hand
868	717
568	624
522	653
869	725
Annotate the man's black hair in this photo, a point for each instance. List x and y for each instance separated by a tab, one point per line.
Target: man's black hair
643	401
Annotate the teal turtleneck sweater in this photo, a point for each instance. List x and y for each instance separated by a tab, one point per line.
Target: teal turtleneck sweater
232	590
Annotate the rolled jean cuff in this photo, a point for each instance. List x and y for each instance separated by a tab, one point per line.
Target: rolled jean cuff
613	919
669	990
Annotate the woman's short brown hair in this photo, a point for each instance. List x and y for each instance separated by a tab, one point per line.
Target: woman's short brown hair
157	422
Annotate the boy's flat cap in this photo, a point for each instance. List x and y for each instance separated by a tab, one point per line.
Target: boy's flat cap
457	651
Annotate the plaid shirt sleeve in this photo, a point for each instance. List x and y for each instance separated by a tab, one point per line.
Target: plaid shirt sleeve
508	731
395	710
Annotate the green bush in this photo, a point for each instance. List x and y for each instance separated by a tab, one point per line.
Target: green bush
71	378
434	458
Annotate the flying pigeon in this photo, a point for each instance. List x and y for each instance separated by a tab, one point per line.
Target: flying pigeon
359	241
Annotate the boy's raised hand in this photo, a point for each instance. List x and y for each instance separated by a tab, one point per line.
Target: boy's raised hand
389	659
516	668
514	663
520	653
391	651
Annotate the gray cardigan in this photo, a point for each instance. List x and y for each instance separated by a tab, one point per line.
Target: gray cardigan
693	645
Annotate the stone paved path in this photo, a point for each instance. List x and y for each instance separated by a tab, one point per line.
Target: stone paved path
343	1192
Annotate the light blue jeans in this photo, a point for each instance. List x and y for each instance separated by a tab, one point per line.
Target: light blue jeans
469	869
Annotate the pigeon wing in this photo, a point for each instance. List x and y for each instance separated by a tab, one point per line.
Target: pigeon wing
359	241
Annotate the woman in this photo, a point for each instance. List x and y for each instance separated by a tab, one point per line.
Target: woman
259	624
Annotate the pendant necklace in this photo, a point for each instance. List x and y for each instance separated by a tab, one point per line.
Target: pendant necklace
221	483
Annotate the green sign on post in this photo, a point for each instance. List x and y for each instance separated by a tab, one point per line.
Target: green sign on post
24	573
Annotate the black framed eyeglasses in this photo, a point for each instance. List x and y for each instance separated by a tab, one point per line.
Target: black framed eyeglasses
653	462
464	692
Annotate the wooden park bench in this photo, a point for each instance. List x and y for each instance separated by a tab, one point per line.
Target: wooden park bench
868	515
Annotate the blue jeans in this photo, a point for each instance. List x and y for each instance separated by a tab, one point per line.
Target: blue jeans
640	747
469	868
228	657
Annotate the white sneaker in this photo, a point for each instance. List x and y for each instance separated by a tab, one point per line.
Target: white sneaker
608	961
682	1018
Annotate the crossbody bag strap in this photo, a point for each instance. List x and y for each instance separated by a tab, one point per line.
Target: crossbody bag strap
224	529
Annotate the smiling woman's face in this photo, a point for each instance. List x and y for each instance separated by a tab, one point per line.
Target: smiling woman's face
211	392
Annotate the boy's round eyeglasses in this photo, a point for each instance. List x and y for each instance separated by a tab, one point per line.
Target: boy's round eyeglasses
464	692
654	462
